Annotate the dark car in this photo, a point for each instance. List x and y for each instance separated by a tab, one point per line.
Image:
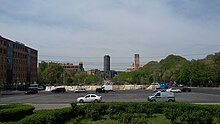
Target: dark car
58	90
101	90
31	91
185	89
81	90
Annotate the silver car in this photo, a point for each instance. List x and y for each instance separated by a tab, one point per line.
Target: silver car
174	90
89	98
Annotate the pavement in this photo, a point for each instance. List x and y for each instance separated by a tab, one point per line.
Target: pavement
10	92
48	100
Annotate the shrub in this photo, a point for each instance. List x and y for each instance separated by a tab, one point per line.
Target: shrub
108	122
132	118
14	112
172	114
172	111
197	117
56	116
93	114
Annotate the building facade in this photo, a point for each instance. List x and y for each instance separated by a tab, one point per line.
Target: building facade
107	67
73	68
136	64
18	63
136	61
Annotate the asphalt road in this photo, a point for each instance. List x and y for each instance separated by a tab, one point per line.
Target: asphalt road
46	100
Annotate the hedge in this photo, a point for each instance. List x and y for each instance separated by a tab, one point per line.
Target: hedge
185	112
119	111
56	116
14	112
143	107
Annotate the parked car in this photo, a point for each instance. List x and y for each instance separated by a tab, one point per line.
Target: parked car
180	85
174	90
89	98
31	91
40	88
101	90
185	89
107	87
162	97
58	90
81	90
159	89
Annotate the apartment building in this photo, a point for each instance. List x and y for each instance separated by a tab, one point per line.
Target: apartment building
18	63
73	68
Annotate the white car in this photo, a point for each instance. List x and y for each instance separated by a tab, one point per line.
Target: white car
89	98
173	90
81	90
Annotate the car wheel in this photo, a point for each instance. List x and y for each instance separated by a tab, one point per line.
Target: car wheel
80	101
95	101
170	100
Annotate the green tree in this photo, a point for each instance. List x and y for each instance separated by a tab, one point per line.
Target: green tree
41	78
53	73
196	74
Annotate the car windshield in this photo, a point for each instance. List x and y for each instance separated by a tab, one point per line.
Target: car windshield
154	94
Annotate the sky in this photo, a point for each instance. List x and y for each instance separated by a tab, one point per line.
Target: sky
86	30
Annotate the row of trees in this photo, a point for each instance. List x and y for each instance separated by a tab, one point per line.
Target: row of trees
53	73
204	72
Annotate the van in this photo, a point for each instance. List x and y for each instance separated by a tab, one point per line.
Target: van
162	97
58	90
107	87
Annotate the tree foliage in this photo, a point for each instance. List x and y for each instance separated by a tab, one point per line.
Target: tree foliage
203	72
54	73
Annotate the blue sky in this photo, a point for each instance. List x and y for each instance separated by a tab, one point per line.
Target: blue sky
76	30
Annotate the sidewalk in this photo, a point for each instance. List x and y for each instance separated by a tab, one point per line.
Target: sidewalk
11	92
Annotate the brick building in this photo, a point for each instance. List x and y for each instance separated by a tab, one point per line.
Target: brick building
18	63
73	68
136	64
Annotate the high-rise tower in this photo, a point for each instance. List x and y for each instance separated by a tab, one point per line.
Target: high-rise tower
136	61
107	66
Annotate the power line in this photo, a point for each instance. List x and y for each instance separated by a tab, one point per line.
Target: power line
120	57
115	65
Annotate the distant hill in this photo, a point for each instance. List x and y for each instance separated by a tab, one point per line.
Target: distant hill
176	68
172	61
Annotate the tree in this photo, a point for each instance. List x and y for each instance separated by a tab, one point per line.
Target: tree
196	73
53	73
42	66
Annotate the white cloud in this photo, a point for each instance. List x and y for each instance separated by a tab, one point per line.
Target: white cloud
91	29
